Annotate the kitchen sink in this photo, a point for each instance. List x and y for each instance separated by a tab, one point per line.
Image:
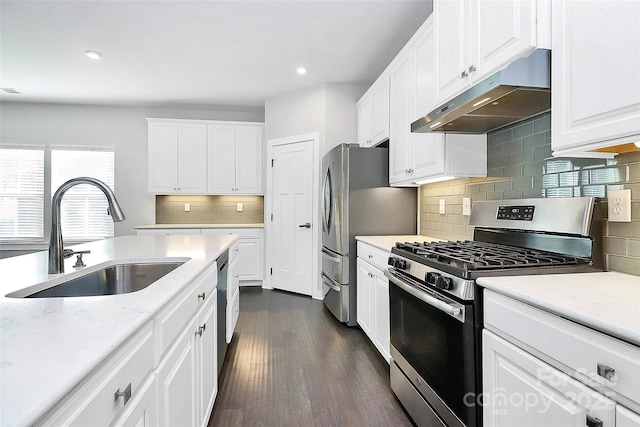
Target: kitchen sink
112	280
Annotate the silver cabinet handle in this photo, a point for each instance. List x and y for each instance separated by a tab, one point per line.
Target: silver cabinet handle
126	394
202	295
201	329
606	372
307	225
472	68
464	74
593	422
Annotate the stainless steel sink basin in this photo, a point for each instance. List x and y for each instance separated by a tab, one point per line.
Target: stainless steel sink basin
112	280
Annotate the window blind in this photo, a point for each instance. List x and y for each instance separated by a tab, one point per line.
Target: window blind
84	207
21	193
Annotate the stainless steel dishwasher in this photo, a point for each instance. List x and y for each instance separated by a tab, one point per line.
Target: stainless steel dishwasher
223	264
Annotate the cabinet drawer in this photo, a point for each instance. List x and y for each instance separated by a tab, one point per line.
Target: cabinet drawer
172	319
373	255
573	348
95	402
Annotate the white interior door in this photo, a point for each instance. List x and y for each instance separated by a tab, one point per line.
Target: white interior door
292	245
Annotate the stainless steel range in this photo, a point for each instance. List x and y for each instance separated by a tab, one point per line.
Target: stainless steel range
435	310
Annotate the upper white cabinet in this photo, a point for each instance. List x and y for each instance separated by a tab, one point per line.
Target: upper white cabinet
419	156
474	39
205	157
234	153
373	113
594	69
177	158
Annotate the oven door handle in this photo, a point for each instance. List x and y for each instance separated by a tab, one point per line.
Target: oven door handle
455	311
330	282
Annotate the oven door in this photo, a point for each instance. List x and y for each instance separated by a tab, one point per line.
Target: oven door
433	344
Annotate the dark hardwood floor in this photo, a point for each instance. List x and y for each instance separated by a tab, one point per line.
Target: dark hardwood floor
291	363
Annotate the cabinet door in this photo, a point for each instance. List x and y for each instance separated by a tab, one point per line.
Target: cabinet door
250	264
380	129
232	289
451	34
233	312
162	152
401	147
249	159
365	122
221	155
382	327
519	389
176	385
423	80
365	298
192	159
626	418
143	410
596	89
500	32
207	372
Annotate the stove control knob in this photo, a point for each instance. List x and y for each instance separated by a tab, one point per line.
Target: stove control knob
431	277
390	260
400	264
444	283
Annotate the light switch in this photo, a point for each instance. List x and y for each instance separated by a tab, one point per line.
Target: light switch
619	205
239	207
442	207
466	206
187	207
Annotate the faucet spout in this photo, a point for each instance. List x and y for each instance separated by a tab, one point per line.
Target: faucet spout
56	259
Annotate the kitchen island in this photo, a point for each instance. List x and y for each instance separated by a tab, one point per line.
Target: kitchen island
50	346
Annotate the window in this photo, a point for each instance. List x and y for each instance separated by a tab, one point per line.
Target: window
21	193
84	207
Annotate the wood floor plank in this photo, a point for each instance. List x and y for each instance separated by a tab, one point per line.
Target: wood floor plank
291	363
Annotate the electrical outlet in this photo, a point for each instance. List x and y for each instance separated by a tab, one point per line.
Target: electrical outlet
619	205
466	206
442	207
239	207
187	207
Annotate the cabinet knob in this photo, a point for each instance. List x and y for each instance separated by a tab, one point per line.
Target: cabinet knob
464	74
472	68
606	372
370	256
202	296
593	422
126	394
201	329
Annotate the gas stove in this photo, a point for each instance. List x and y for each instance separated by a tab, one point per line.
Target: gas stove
512	237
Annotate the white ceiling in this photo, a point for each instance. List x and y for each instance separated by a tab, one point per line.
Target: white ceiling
195	54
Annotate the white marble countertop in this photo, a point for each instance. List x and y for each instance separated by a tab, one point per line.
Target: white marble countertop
162	226
387	242
48	345
605	301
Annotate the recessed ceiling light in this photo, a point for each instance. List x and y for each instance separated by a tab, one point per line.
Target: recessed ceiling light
93	54
301	70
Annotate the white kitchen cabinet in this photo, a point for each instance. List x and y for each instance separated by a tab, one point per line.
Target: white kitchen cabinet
372	304
235	158
418	156
373	113
177	157
563	373
250	270
115	391
520	389
144	408
594	68
187	375
233	291
474	39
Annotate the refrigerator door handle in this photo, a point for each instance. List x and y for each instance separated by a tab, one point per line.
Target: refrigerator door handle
330	282
330	257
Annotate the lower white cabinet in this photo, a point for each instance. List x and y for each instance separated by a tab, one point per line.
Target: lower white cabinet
541	369
250	269
233	291
372	304
143	410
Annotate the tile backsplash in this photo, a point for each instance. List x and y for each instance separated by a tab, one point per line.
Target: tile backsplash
209	210
520	165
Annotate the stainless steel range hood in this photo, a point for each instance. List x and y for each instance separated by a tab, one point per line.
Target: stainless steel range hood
519	91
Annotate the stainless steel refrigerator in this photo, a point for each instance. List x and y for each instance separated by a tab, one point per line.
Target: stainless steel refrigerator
357	201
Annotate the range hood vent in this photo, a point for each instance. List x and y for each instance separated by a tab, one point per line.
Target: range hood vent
518	92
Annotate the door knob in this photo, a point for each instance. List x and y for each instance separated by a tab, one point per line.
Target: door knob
307	225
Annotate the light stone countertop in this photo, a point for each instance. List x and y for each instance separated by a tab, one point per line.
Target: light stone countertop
608	302
162	226
49	345
387	242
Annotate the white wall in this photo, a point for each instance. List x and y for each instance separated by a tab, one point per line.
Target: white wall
329	109
124	128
